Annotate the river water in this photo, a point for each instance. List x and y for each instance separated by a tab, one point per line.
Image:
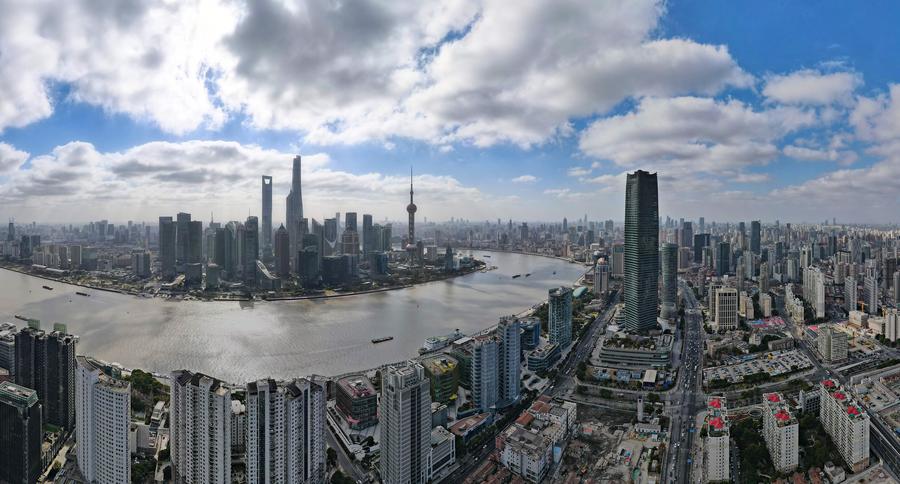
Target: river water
239	342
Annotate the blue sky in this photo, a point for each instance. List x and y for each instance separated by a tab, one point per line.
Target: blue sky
772	110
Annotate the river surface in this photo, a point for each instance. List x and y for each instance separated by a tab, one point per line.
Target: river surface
240	342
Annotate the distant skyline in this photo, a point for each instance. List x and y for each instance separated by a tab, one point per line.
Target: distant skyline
530	110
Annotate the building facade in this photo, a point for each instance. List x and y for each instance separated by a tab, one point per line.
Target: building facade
847	424
781	431
200	429
641	261
559	316
405	413
102	423
20	444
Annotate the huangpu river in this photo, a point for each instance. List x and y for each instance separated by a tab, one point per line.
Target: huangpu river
240	342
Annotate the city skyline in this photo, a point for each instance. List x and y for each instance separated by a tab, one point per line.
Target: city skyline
179	127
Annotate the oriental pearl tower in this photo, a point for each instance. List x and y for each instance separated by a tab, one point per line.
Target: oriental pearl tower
411	210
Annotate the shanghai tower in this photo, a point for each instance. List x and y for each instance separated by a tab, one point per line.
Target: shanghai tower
294	211
641	251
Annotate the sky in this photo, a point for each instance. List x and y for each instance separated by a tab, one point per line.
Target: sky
531	110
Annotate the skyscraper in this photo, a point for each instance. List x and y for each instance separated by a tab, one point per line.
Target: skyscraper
102	422
195	242
510	353
21	435
368	235
405	415
294	210
182	239
46	364
641	251
167	247
266	218
250	249
485	373
669	306
286	431
723	258
282	252
755	235
559	316
200	429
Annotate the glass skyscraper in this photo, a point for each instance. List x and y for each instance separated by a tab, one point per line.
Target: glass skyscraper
641	251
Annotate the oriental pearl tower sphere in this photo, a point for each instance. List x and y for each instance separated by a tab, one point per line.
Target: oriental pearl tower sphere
411	210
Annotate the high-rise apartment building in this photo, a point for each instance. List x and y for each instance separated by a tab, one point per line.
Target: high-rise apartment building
669	302
716	445
892	324
559	316
294	212
850	294
870	290
726	309
832	344
846	422
510	381
102	422
45	362
200	429
22	435
814	290
781	431
641	251
485	373
405	415
286	432
266	229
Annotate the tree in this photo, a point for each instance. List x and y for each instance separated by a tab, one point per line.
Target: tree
653	398
331	457
340	478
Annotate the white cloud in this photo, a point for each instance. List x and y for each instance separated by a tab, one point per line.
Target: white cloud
812	87
690	135
10	158
878	119
525	179
578	171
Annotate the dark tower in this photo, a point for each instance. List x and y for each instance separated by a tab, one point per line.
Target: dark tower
266	218
641	251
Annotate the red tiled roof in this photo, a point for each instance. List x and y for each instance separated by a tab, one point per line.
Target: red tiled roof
717	423
525	419
851	410
839	395
828	383
715	403
782	415
773	397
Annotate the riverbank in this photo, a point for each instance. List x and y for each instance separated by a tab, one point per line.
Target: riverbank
522	252
126	292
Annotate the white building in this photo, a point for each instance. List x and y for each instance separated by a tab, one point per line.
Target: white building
847	424
892	325
485	373
716	446
443	450
814	290
870	290
793	305
746	306
405	424
850	294
286	432
781	432
510	379
832	344
726	310
526	446
102	423
200	429
765	305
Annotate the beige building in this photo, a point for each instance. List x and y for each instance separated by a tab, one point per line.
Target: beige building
716	444
781	432
846	422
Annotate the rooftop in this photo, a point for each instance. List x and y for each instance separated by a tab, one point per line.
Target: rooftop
17	395
844	398
357	386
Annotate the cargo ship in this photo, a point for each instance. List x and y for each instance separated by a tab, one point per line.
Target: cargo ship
23	318
517	276
382	340
47	288
82	294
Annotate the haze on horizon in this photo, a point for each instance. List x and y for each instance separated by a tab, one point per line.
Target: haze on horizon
533	111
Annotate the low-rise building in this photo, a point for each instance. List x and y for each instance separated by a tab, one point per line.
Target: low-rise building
847	424
526	446
781	432
544	357
442	372
357	401
443	449
628	351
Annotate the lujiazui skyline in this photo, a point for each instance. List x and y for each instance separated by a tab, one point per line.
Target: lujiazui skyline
131	110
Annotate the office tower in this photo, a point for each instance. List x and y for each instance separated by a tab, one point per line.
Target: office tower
755	236
726	309
167	247
266	217
411	210
765	305
442	371
601	278
781	431
102	422
11	232
814	290
723	258
195	242
716	446
763	277
294	209
8	348
405	413
46	364
200	429
618	260
484	373
687	235
870	290
896	288
832	344
641	251
559	316
182	238
350	222
892	324
330	237
357	401
669	303
75	256
286	431
847	424
850	294
700	241
21	435
250	248
367	236
510	354
282	252
350	242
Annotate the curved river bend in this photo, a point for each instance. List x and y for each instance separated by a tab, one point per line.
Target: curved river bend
240	342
